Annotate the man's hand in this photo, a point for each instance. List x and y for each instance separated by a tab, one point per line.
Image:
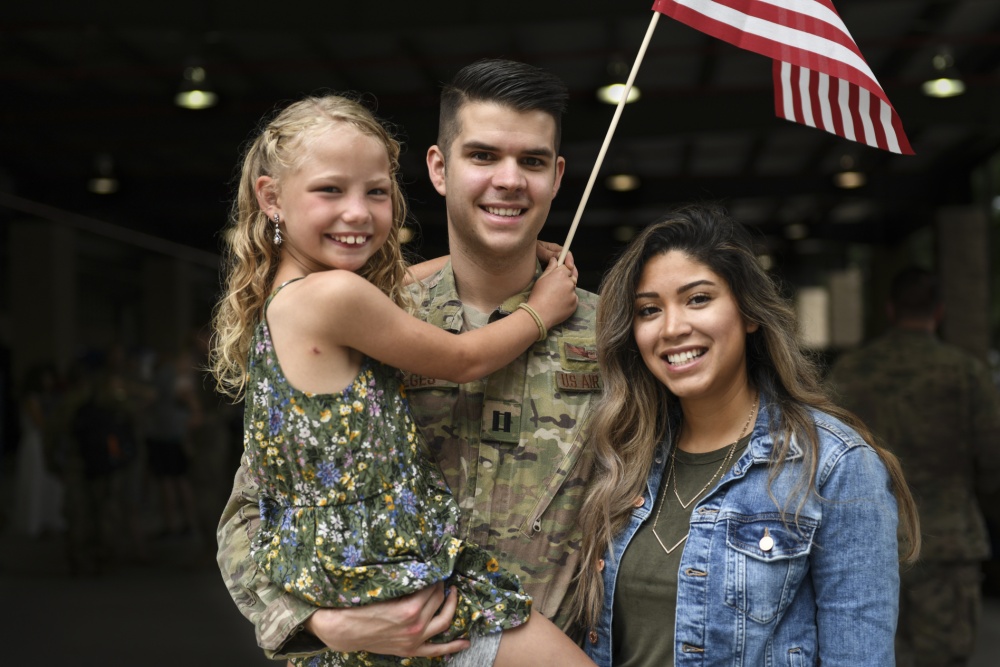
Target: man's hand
399	627
546	250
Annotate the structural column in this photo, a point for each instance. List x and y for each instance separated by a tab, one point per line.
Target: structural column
963	261
167	308
43	299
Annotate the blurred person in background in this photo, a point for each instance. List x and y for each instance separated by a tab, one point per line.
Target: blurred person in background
936	408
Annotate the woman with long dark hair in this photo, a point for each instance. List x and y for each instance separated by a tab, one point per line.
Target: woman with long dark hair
736	516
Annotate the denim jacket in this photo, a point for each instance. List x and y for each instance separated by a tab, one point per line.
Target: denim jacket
822	590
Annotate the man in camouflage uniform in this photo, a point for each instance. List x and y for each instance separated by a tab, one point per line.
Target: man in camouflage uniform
936	408
510	444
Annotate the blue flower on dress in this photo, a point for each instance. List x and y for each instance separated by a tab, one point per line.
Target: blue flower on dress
277	420
352	556
417	569
328	474
266	508
408	501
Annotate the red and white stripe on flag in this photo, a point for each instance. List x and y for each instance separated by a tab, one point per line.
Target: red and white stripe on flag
820	77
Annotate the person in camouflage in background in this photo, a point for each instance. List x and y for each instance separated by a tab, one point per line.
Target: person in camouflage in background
936	408
510	445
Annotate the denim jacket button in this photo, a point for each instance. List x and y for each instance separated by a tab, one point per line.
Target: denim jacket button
638	502
767	542
593	636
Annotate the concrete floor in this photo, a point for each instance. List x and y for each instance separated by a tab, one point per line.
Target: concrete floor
173	611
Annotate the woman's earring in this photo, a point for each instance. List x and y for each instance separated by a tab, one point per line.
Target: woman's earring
277	230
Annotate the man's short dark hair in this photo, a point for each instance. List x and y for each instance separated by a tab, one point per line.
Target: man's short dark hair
915	292
509	83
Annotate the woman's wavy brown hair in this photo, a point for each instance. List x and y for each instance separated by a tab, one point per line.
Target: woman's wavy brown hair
637	412
251	258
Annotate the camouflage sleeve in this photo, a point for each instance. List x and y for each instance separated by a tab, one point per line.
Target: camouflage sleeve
985	401
277	616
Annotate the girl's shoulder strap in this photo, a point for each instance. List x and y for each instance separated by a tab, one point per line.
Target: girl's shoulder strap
278	289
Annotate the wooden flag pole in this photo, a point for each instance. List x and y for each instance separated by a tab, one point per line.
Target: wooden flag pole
607	138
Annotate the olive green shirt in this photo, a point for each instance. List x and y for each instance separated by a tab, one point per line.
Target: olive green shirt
645	603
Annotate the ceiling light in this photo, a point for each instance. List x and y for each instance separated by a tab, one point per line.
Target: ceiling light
622	182
104	182
624	233
796	231
612	92
195	93
848	177
945	81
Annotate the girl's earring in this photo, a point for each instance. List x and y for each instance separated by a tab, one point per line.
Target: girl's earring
277	230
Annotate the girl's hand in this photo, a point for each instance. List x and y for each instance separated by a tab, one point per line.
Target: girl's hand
554	295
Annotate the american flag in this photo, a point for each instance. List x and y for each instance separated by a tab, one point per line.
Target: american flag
820	77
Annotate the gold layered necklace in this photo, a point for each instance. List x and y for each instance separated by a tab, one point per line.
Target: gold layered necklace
672	475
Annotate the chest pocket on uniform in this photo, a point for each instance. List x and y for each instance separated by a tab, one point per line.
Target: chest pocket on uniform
766	560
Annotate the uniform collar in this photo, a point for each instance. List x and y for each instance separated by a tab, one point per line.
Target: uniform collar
448	313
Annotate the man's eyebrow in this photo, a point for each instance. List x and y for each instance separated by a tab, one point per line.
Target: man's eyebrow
478	145
542	151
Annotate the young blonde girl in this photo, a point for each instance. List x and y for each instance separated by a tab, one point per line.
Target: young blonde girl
311	332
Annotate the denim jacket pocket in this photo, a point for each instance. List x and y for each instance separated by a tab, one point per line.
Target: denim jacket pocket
766	559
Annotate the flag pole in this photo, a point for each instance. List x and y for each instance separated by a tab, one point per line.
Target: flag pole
607	138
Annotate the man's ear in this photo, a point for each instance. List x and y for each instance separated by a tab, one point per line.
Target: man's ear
436	168
267	195
560	170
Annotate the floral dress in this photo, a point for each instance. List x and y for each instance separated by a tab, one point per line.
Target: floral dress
351	509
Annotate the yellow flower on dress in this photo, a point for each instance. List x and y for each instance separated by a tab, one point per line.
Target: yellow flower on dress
492	565
325	415
358	406
345	409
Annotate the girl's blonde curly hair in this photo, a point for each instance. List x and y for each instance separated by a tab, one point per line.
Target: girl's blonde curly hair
250	258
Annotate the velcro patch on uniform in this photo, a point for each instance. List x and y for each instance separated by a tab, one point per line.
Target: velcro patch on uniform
501	421
578	354
413	381
578	381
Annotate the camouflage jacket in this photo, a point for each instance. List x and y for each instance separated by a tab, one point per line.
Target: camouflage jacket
510	446
935	407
